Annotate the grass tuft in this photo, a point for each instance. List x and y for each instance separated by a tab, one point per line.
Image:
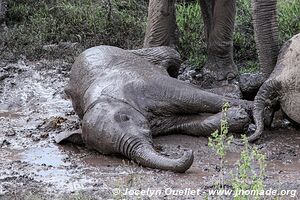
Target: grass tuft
33	24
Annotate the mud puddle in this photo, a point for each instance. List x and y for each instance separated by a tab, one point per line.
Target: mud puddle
34	109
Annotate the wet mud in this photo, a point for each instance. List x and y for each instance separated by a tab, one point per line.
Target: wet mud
34	109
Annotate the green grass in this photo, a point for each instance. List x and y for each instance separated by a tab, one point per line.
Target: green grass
89	22
289	18
244	44
33	24
192	42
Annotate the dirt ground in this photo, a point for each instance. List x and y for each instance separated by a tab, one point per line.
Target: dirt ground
34	109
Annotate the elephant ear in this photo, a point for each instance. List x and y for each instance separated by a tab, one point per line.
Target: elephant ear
71	137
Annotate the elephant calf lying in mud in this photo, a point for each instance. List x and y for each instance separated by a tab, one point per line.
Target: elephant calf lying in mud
125	97
282	89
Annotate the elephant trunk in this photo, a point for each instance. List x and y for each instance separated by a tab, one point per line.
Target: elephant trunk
142	152
148	157
266	98
266	33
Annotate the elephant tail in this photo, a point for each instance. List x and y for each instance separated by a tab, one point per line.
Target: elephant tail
142	152
265	99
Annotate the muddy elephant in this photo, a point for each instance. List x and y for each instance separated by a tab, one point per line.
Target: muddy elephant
219	19
282	89
124	97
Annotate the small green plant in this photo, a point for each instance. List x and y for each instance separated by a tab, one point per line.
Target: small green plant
246	178
220	142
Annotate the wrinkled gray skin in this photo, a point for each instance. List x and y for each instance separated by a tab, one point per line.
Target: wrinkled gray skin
282	89
125	97
219	19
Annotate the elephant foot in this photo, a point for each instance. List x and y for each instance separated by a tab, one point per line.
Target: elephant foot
244	86
220	76
250	83
227	88
220	69
231	90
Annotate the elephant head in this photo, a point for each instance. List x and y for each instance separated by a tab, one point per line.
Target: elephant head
111	127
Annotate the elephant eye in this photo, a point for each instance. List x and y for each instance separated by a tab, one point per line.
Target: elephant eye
121	118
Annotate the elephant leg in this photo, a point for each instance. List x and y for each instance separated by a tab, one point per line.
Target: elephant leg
205	124
177	97
161	28
207	14
219	18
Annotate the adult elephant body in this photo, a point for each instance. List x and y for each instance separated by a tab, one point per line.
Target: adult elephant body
281	89
124	97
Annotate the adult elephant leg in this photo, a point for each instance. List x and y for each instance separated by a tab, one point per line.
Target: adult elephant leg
205	124
266	38
266	33
161	28
220	26
207	13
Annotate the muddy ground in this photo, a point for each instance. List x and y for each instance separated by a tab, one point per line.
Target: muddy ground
34	109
